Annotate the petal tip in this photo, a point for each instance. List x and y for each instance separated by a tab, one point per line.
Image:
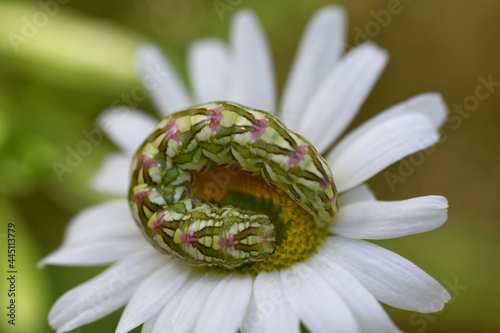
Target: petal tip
434	105
146	49
41	264
332	12
244	14
206	43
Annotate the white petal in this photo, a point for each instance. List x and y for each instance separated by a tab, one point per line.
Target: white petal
252	74
98	235
358	194
192	303
126	127
390	219
388	276
148	326
161	322
153	293
93	253
377	148
208	70
158	76
113	175
369	314
270	311
315	301
103	294
225	307
253	319
431	105
320	47
341	95
103	221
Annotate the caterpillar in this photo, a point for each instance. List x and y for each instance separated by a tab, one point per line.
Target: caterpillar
224	134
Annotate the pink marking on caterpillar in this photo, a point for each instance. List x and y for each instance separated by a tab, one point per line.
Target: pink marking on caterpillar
188	238
172	130
214	118
299	155
158	225
259	129
142	196
325	184
146	162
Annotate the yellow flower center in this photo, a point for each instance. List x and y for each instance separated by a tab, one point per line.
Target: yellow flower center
297	234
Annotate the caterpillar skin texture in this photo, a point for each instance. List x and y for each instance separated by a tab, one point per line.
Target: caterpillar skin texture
227	134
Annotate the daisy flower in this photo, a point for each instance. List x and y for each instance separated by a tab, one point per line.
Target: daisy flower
329	279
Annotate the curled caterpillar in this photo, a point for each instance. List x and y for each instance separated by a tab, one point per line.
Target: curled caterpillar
225	134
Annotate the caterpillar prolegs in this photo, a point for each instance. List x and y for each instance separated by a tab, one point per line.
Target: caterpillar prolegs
225	134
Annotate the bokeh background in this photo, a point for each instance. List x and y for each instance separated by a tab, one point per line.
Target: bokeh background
81	60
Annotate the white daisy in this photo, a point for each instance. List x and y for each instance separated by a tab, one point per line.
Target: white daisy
335	289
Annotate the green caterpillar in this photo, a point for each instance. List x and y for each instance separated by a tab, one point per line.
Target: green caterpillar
225	134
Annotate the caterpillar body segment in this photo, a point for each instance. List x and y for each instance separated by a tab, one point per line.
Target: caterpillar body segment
208	236
222	133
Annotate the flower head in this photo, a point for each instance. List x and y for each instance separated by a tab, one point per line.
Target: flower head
334	285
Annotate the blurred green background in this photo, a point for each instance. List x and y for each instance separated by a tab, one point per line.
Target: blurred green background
81	60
